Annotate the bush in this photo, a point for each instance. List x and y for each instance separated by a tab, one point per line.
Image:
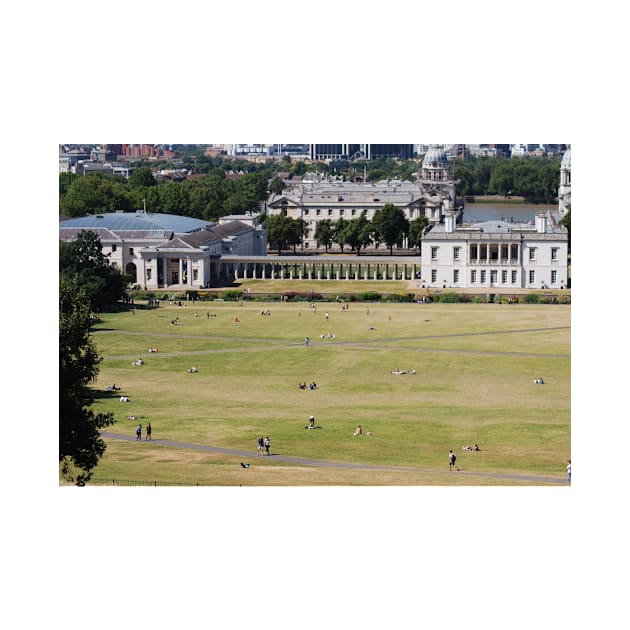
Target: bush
400	297
449	298
370	296
479	299
532	298
301	296
232	295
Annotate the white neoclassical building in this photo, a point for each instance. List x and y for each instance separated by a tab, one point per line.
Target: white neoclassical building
495	255
431	195
169	251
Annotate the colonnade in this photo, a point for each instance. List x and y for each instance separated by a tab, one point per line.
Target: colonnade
329	270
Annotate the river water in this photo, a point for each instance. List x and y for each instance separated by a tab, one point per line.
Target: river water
513	212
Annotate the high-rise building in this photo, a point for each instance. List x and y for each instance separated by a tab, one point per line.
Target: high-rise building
361	151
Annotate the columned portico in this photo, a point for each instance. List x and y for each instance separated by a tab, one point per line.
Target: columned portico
323	268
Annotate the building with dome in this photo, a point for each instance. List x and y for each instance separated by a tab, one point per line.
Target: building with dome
169	251
564	192
431	195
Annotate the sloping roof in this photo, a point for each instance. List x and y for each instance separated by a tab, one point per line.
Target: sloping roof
175	243
140	220
71	233
217	232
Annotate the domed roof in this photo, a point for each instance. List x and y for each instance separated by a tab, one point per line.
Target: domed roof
566	159
435	158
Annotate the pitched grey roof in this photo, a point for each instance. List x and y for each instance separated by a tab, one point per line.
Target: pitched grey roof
71	233
140	220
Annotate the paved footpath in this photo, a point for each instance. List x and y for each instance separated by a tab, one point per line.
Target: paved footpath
303	461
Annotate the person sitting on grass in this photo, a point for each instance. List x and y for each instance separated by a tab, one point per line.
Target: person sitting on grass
358	430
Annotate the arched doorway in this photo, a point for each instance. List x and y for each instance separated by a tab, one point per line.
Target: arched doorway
133	272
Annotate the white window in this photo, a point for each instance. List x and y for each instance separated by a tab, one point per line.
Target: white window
455	276
149	273
532	276
434	275
493	276
514	276
554	253
554	276
483	276
457	252
131	251
504	276
532	253
473	276
434	253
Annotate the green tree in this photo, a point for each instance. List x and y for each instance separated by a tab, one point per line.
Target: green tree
80	443
65	180
95	193
416	232
358	233
103	284
297	229
278	231
340	232
391	224
141	178
276	186
324	233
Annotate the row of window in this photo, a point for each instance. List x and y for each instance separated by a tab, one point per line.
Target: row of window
491	252
355	212
481	276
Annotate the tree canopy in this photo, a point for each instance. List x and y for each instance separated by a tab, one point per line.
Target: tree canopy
530	177
80	443
103	284
391	225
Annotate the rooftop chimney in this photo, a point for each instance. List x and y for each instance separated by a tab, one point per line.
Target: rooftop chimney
449	222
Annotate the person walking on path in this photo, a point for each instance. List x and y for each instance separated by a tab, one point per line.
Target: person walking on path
569	472
148	431
451	459
267	445
260	444
139	432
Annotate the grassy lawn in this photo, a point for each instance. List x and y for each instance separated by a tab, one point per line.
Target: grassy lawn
474	363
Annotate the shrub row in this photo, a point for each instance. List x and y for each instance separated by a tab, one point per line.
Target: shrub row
367	296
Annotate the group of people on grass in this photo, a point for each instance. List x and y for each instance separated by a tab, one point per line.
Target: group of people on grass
310	386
